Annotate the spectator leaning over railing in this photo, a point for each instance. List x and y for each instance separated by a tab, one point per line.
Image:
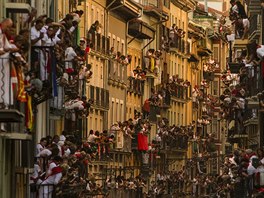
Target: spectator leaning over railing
52	177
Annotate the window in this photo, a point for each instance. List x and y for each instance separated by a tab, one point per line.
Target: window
117	46
215	88
113	113
113	42
121	112
183	73
92	15
166	3
122	48
216	54
95	124
117	114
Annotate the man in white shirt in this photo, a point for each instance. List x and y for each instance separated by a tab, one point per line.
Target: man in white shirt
41	146
36	36
53	177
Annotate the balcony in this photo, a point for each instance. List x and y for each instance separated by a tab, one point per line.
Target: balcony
100	97
151	63
180	93
100	45
179	46
116	74
255	27
140	30
152	8
154	113
203	51
193	58
209	76
135	86
126	9
253	5
17	6
13	101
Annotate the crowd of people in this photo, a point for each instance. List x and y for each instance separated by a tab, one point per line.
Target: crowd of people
239	19
152	61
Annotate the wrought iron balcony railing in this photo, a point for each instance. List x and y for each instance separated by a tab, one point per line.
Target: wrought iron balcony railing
100	44
135	85
100	97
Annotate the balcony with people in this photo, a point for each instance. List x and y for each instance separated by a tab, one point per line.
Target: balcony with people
174	138
179	88
239	19
117	68
136	81
209	69
97	44
177	44
58	71
99	96
151	63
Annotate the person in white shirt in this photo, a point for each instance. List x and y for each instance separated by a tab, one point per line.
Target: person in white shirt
53	177
41	146
36	37
50	38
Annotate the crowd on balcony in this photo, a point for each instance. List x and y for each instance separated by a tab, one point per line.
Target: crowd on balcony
174	34
239	19
152	61
56	62
173	136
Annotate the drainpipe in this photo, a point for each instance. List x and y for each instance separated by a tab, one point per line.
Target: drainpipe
205	6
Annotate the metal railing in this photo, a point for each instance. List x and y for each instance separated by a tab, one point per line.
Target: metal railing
254	21
116	71
100	96
135	85
100	43
180	92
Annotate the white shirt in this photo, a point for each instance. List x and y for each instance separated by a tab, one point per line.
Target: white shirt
39	148
35	34
91	138
45	153
47	41
70	54
52	179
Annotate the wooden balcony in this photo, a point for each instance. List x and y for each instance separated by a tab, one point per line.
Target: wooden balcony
126	9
